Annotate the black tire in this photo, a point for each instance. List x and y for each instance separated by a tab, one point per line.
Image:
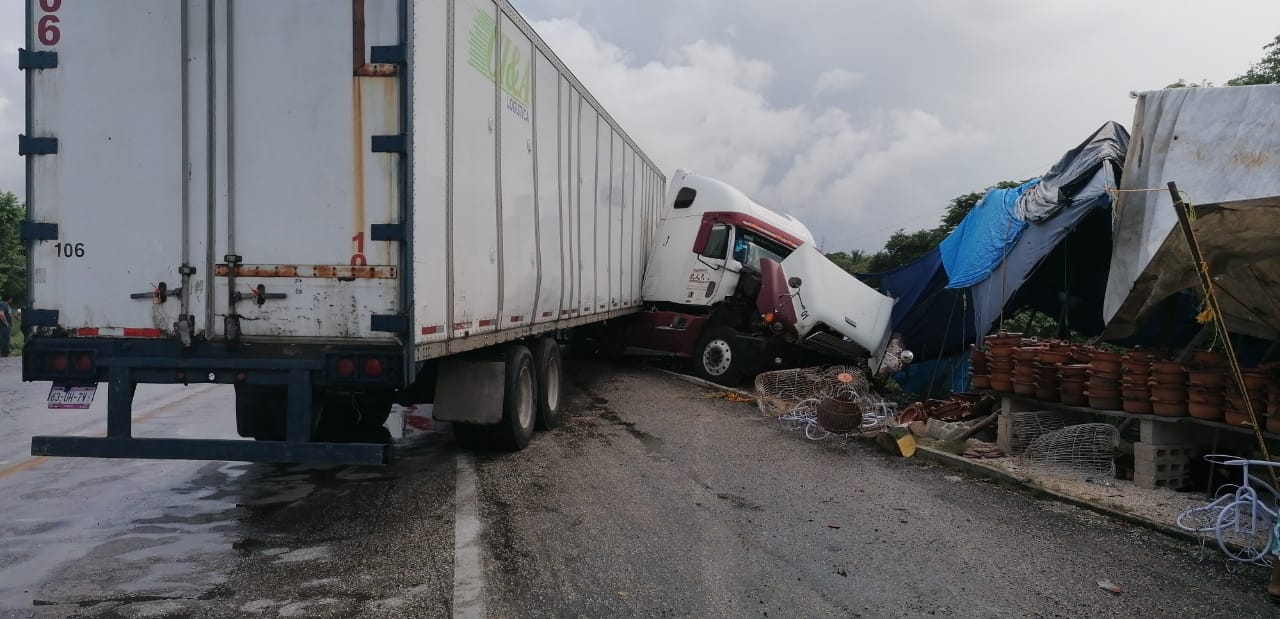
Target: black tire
549	368
519	401
717	358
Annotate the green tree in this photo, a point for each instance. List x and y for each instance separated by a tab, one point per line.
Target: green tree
1266	71
905	247
1183	83
13	255
961	205
854	261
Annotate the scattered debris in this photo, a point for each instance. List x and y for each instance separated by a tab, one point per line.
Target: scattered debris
1106	585
983	452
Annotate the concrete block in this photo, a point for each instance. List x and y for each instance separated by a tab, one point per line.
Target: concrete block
1151	482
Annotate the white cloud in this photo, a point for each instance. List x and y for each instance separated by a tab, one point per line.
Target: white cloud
837	81
705	108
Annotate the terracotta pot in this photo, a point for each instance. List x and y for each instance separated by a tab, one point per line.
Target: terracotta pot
1001	386
1145	356
1237	403
1000	351
1024	371
1003	377
1137	407
1024	388
1050	356
1167	367
1097	382
980	382
1135	367
1202	397
1004	338
1079	369
1206	359
1169	394
1208	412
1106	367
1256	380
1027	353
1081	355
1102	392
1168	379
1206	378
1169	409
1104	404
1047	395
1102	355
1135	394
1236	419
1004	368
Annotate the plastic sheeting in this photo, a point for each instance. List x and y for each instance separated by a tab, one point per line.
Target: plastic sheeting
1073	172
978	245
1222	147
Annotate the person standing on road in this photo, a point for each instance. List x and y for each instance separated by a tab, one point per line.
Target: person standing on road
6	325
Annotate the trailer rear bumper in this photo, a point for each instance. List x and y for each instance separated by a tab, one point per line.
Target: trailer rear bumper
211	449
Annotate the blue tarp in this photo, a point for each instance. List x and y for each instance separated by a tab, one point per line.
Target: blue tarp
979	244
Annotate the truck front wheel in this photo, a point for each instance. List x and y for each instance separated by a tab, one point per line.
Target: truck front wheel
717	357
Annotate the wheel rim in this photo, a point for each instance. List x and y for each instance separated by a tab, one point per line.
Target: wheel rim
553	383
716	357
525	404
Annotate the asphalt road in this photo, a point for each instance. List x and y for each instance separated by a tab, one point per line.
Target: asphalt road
651	500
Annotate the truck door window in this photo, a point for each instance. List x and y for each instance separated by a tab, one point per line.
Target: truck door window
717	242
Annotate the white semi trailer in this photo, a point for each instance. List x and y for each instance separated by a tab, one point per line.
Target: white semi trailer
334	206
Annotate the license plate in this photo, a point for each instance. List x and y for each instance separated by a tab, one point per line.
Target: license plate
63	397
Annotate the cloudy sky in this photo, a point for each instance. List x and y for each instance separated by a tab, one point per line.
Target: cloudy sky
858	116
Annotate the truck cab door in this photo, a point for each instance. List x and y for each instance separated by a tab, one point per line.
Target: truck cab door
706	277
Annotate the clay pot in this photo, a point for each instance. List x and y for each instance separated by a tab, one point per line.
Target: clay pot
1004	338
1256	380
1098	382
1102	392
1074	399
1167	367
1169	409
1236	402
1024	372
1137	407
1169	394
1130	366
1027	353
1169	378
1054	357
1079	369
1047	395
1102	355
1105	404
1145	356
1003	377
1206	359
1105	367
979	381
1000	351
1024	388
1206	378
1234	418
1135	394
1215	398
1001	385
1208	412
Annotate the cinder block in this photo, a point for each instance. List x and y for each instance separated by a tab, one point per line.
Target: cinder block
1153	432
1163	461
1151	482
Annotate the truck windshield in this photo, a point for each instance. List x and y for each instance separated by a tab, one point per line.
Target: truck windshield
749	248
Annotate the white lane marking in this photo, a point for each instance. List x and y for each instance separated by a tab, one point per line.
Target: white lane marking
468	570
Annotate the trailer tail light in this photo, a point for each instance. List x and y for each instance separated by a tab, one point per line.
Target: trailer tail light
372	368
346	368
60	365
84	363
358	368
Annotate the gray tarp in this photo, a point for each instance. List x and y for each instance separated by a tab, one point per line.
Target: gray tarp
1222	147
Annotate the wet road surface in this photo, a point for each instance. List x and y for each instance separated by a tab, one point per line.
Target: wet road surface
650	500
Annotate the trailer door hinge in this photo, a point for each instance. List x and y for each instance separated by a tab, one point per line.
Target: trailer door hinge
31	59
388	54
388	232
391	143
37	146
389	323
37	231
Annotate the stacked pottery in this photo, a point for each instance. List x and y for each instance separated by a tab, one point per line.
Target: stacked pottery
1256	384
1000	359
979	370
1071	384
1046	372
1103	386
1169	389
1273	409
1206	393
1024	368
1135	371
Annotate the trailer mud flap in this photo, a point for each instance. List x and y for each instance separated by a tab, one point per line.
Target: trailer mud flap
211	449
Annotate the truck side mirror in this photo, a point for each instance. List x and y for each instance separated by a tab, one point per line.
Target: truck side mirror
795	282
